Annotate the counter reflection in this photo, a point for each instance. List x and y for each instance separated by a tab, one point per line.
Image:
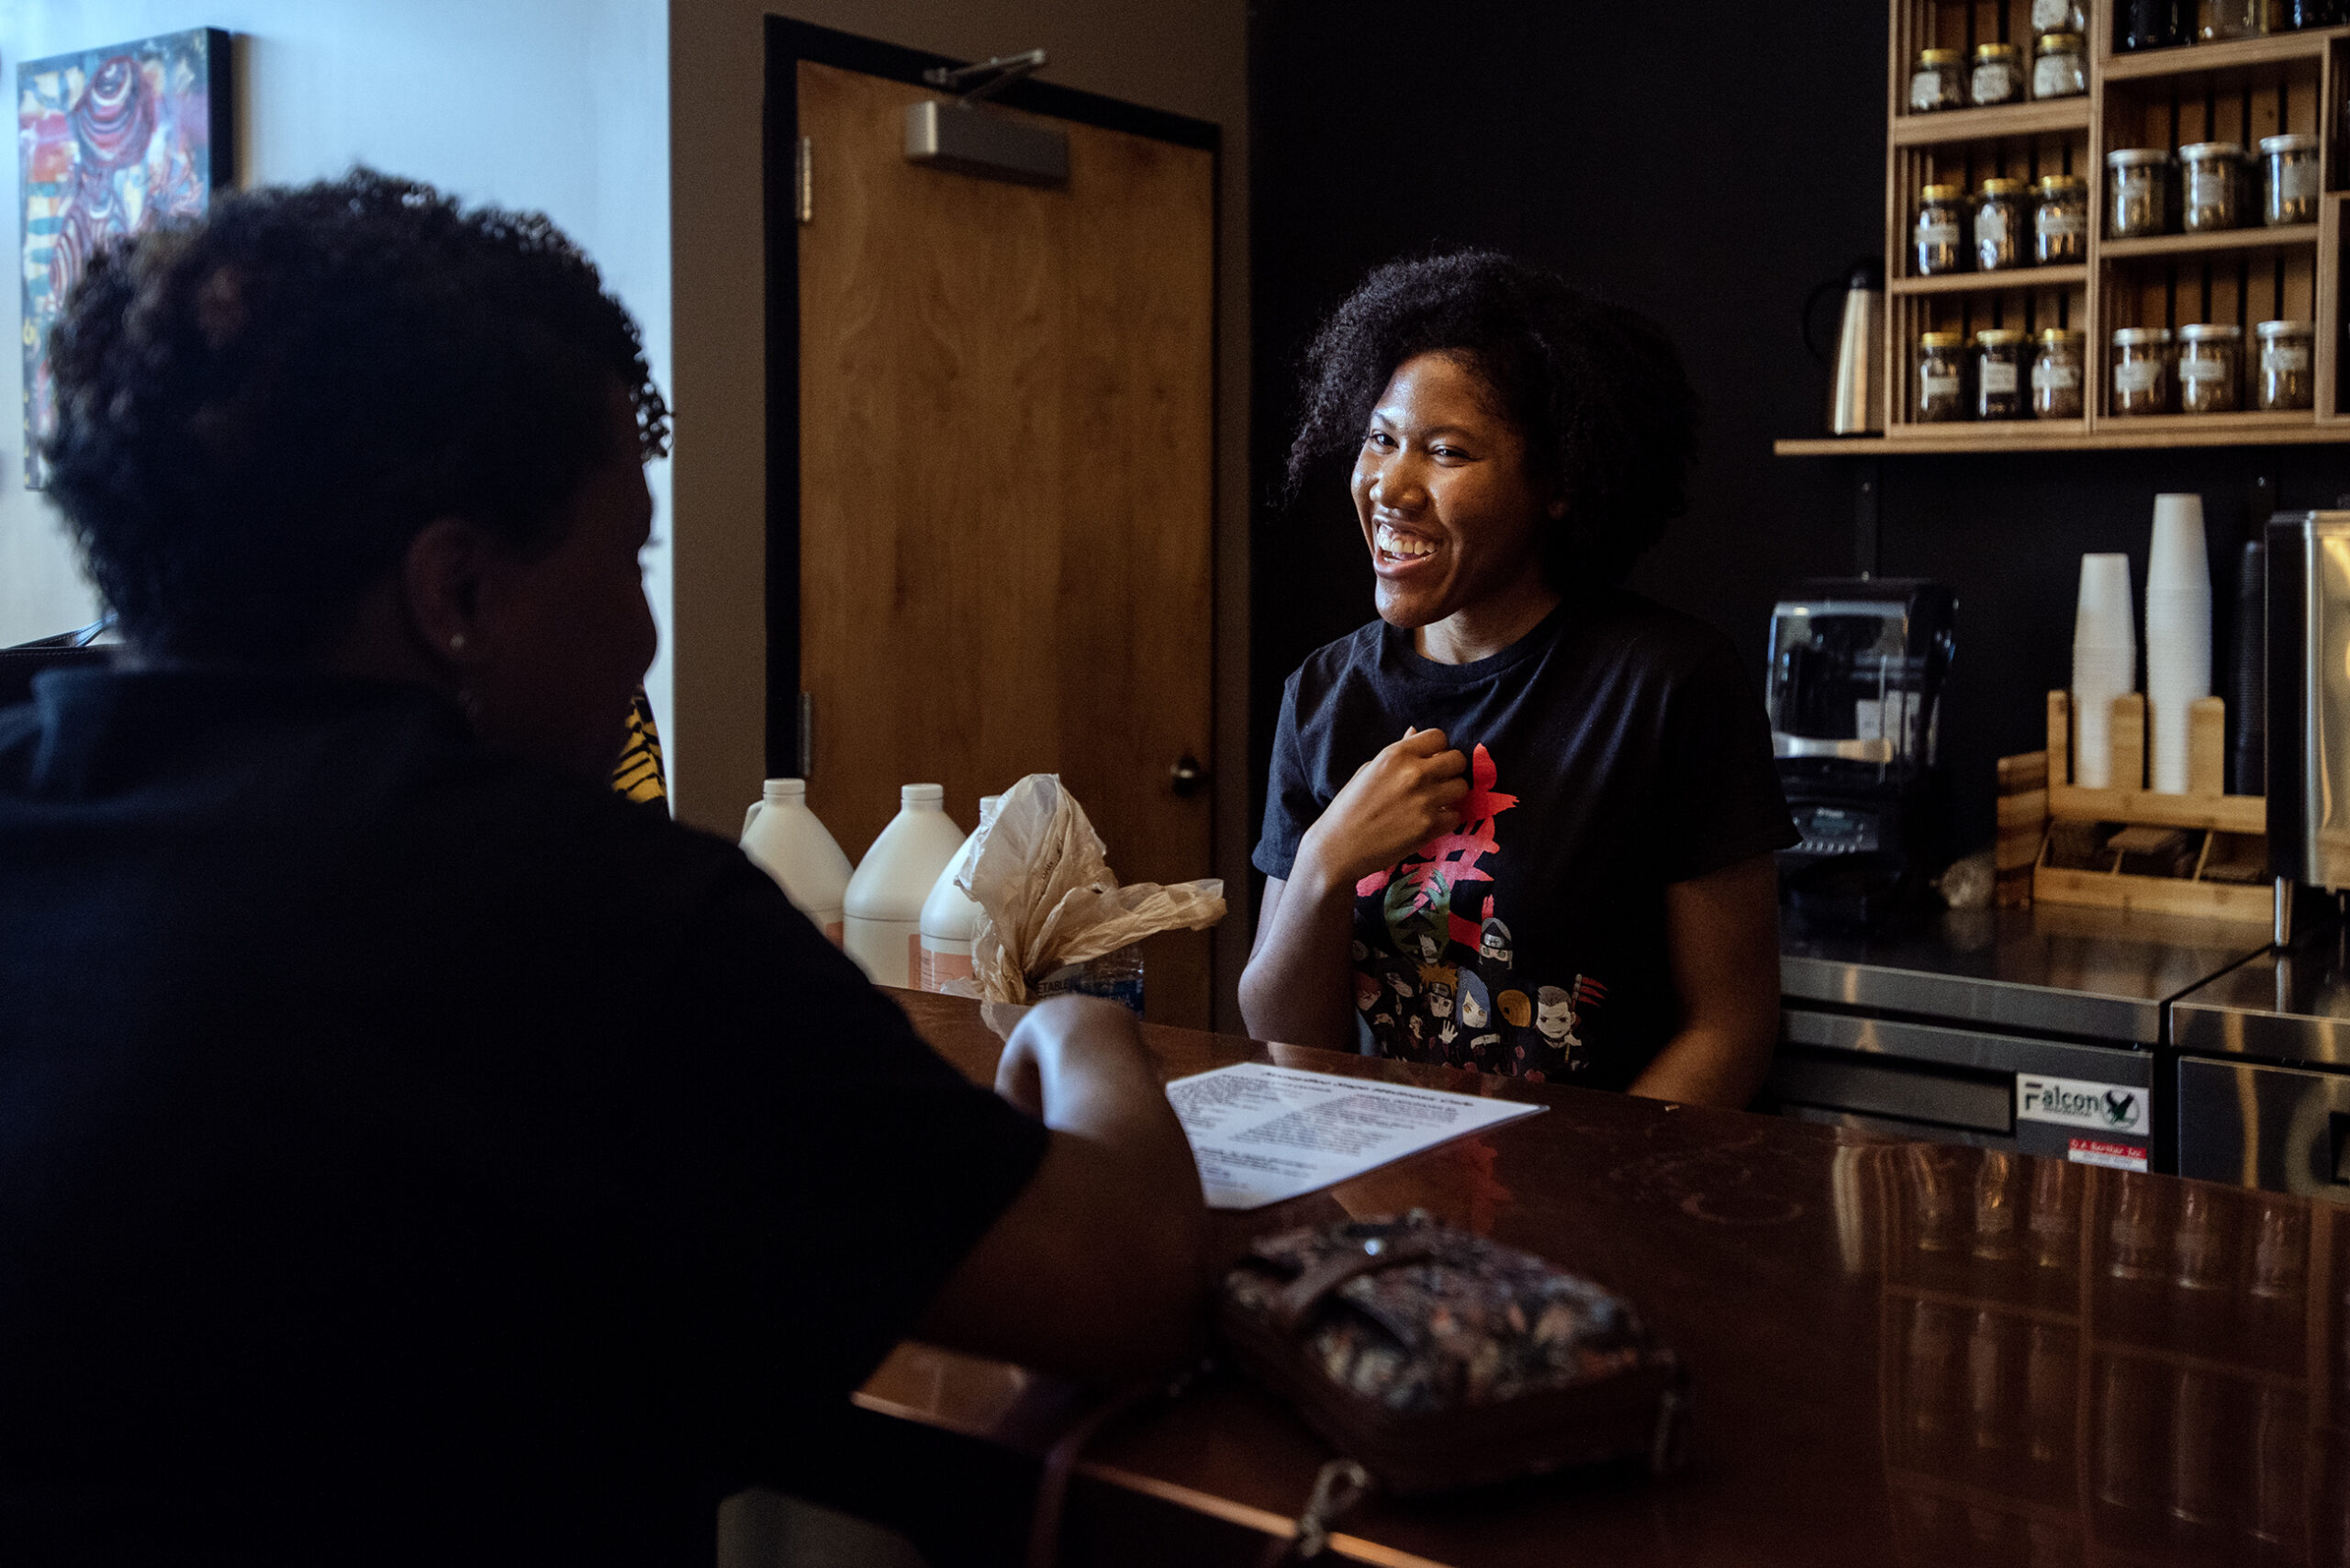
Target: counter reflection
2083	1364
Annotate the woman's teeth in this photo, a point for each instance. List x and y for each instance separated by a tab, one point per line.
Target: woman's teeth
1402	544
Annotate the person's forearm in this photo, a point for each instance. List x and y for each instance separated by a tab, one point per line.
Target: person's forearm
1704	1065
1098	1267
1113	1099
1295	989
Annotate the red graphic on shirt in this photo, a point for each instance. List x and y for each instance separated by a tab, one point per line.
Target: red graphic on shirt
1451	858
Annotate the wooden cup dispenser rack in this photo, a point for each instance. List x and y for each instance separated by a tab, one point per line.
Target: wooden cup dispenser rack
2222	836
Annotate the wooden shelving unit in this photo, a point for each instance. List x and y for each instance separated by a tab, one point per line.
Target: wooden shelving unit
2238	91
1992	283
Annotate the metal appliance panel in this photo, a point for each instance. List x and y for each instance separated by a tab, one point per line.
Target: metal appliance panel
2093	974
2282	1128
1965	1085
2291	1007
2309	697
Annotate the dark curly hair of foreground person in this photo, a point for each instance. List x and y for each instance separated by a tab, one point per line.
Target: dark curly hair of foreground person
1609	418
258	411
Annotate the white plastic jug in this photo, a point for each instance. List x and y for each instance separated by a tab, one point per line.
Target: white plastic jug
950	917
882	928
785	839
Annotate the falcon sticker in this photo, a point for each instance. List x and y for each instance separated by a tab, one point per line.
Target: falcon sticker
2118	1108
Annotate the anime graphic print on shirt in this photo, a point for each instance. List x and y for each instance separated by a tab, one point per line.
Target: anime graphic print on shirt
1615	749
1434	983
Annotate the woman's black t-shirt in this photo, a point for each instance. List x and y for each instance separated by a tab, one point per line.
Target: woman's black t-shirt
1615	749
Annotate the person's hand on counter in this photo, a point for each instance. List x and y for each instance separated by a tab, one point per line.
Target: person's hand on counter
1095	1270
1295	986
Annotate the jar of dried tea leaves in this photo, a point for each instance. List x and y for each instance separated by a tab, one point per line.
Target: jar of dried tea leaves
2001	213
2209	175
2059	68
2059	16
2283	381
2141	366
1997	76
1998	373
2060	223
2057	374
1942	377
2137	192
2290	163
1939	244
1939	81
2210	366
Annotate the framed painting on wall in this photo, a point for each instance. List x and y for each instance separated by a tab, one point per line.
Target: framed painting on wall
110	141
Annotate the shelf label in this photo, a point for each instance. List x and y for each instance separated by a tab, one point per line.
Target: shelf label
2096	1151
2082	1103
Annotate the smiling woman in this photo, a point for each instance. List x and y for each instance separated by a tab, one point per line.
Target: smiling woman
1522	784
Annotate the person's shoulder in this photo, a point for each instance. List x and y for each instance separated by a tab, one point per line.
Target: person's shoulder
1355	654
565	837
1660	641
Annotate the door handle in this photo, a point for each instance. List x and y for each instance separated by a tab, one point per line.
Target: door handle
1187	777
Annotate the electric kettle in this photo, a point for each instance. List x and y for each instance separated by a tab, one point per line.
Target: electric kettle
1855	398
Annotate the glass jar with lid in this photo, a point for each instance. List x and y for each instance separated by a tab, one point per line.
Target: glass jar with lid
2060	222
2150	24
1940	243
1997	76
1998	373
2001	212
2217	19
1942	377
2207	180
2210	366
1938	82
2059	16
2289	183
2140	367
2057	375
2283	380
2137	192
2059	68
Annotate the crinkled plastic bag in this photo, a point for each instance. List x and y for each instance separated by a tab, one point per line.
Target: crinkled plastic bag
1047	897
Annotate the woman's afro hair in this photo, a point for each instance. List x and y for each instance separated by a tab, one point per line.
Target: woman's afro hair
258	411
1597	391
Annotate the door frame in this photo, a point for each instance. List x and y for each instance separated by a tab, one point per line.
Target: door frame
788	43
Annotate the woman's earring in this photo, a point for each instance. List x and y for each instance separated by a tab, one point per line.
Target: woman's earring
456	641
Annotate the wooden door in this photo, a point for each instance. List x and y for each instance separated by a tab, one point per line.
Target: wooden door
1006	448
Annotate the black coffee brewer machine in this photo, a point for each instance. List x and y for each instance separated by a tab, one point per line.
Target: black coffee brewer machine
1859	669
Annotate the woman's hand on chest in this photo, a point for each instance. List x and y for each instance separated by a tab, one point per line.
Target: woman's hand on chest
1398	801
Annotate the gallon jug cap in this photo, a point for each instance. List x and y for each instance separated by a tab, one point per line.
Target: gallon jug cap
784	789
928	794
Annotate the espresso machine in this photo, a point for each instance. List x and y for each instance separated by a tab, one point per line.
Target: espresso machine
1859	668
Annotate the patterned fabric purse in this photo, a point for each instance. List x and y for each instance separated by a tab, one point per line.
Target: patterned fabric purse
1439	1360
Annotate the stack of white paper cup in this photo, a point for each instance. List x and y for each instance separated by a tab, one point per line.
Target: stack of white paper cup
2105	666
2178	633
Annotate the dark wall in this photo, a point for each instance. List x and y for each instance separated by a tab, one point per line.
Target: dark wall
1707	164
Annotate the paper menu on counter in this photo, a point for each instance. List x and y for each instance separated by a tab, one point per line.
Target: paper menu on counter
1261	1133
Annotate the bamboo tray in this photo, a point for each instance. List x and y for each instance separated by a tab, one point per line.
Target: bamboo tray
2204	807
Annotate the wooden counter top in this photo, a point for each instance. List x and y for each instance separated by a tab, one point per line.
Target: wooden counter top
1899	1353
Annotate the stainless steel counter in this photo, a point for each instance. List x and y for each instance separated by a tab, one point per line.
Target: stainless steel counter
2091	974
2289	1007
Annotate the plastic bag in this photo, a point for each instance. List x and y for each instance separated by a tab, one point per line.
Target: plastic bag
1047	897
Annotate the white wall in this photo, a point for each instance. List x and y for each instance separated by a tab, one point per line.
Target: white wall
560	105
